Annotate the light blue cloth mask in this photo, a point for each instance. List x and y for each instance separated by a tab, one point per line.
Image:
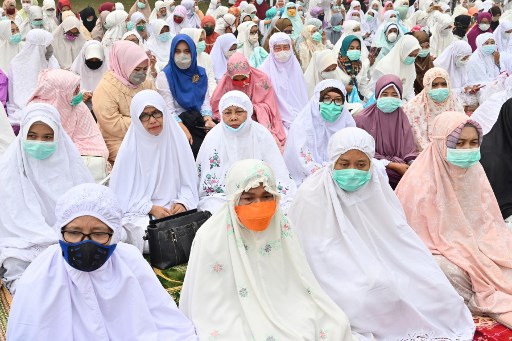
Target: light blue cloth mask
463	158
388	104
39	150
439	95
351	180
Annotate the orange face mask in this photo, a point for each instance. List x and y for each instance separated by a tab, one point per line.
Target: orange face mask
256	217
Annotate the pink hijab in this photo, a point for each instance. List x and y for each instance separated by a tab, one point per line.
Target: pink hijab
124	58
260	91
56	87
455	213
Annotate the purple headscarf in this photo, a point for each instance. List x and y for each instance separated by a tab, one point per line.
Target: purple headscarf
476	31
392	131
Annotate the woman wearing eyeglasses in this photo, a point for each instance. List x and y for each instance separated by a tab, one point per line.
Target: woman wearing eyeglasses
91	287
389	126
305	150
154	171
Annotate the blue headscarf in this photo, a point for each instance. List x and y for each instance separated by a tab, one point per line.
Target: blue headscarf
188	87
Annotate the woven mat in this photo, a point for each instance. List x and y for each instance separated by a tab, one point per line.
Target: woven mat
5	306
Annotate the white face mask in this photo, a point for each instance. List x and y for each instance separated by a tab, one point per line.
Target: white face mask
283	56
228	54
253	38
25	6
183	60
459	62
392	37
358	19
329	74
484	27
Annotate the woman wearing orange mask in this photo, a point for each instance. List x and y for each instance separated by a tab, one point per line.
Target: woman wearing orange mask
259	286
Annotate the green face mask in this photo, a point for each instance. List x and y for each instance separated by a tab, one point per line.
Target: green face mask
36	23
463	158
130	25
388	104
317	36
141	5
201	46
353	55
402	10
77	99
423	53
337	28
140	28
409	60
330	112
351	180
39	150
439	95
15	38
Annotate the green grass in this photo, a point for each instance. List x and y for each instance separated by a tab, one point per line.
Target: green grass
78	5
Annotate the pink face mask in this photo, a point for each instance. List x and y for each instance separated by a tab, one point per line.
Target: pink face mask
70	36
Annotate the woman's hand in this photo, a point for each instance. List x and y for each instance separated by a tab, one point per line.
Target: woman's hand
159	212
208	122
87	95
400	168
177	208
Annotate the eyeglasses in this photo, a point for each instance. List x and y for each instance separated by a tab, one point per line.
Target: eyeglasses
328	100
77	237
155	114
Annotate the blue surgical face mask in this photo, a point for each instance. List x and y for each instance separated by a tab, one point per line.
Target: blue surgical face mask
317	36
164	37
409	60
423	53
36	23
439	95
330	112
354	55
39	150
86	255
489	49
201	46
463	158
77	99
15	39
234	130
388	104
337	28
351	180
130	25
141	5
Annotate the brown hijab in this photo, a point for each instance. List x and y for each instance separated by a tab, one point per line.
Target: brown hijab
281	24
422	64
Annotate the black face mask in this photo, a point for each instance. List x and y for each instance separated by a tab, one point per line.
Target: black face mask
93	64
209	30
321	17
86	256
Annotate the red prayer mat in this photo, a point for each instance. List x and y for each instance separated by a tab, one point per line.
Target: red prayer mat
489	330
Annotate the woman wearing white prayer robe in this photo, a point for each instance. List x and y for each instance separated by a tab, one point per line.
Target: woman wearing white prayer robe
67	42
503	35
159	43
6	132
154	172
247	277
49	17
10	43
482	67
442	35
365	255
236	138
323	65
94	288
116	23
40	165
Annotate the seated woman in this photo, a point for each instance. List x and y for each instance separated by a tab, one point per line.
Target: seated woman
184	86
225	46
280	25
435	98
40	165
257	86
248	38
307	139
364	254
6	132
387	123
324	65
61	89
237	137
116	23
450	204
208	25
495	151
283	70
10	43
424	61
159	43
256	271
154	172
67	42
312	42
90	272
354	69
484	63
128	66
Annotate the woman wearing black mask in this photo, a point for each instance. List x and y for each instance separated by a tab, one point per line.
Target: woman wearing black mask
89	64
88	16
461	24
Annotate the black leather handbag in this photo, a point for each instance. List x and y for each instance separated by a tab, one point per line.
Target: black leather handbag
170	238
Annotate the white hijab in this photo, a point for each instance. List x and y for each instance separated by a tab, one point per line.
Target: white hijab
116	23
192	17
159	49
503	40
369	260
447	60
8	50
244	45
309	134
392	64
56	301
319	62
222	148
287	79
29	188
64	50
158	5
481	67
89	78
218	54
153	170
442	35
487	113
260	286
49	17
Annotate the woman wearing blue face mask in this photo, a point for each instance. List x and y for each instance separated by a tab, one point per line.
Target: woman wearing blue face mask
40	165
388	124
10	43
354	68
235	138
450	204
90	272
159	43
366	256
484	63
335	29
312	42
